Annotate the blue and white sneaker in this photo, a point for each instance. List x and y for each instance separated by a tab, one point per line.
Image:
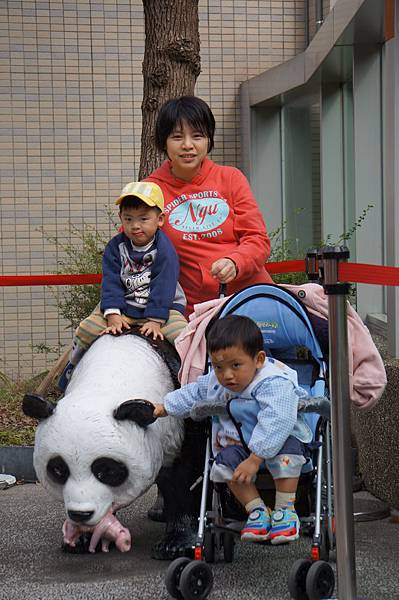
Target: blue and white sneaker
285	526
65	377
258	525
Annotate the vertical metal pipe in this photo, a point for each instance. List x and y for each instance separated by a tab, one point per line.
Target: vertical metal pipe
204	493
320	458
306	22
341	436
319	14
329	486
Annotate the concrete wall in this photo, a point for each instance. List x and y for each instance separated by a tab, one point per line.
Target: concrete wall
377	436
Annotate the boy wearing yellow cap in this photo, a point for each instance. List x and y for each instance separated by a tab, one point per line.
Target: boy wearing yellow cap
140	277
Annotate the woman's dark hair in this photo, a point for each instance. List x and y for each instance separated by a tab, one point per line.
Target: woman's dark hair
190	109
235	330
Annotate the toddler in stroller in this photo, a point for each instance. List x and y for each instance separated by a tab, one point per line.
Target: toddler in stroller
261	426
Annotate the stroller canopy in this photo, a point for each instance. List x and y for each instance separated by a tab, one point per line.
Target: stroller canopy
282	319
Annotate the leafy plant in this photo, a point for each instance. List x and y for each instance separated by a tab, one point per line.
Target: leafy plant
15	428
85	256
43	348
346	236
284	249
76	302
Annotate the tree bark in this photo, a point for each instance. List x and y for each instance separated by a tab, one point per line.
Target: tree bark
170	68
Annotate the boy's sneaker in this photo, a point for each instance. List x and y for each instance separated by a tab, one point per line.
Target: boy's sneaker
285	526
258	525
65	377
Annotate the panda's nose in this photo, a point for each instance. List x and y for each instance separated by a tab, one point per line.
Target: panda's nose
80	516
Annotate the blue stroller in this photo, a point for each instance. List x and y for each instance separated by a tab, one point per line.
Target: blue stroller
288	336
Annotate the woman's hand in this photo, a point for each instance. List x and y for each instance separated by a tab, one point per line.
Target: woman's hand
224	270
152	328
246	471
116	324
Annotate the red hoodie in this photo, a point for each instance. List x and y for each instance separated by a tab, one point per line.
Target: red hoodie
213	216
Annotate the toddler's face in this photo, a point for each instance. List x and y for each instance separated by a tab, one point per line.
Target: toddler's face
140	224
234	368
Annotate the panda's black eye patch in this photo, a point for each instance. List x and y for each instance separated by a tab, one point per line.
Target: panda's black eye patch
58	470
109	471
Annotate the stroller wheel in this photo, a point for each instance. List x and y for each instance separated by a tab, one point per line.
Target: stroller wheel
228	547
172	577
320	581
196	581
297	579
209	546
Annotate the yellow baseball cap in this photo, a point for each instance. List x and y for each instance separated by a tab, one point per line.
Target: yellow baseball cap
148	192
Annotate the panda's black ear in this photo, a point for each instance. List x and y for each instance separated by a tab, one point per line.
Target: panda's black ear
37	407
139	411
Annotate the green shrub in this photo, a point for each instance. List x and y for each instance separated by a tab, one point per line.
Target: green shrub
77	302
15	428
284	249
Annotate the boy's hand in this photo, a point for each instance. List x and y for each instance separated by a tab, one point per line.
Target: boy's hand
224	270
152	328
115	324
159	411
246	470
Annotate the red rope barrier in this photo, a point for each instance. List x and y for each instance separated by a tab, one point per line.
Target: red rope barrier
288	266
21	280
363	273
351	272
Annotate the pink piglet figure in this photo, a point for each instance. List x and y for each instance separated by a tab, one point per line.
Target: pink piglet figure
72	532
109	529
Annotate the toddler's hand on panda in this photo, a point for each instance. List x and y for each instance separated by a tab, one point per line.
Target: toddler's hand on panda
159	411
152	328
115	324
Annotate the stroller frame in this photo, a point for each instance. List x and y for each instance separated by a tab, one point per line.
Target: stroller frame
321	523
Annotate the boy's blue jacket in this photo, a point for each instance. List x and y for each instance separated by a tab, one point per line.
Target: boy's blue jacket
267	409
141	284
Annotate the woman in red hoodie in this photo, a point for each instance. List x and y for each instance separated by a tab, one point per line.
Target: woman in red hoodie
211	214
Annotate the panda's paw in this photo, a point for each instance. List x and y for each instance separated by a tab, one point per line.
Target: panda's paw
156	512
169	550
81	546
179	540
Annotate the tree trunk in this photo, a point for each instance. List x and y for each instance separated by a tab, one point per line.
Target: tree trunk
171	65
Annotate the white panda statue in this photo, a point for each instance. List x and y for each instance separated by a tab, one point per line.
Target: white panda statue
89	451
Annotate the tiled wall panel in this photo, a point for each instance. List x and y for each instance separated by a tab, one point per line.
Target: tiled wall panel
70	106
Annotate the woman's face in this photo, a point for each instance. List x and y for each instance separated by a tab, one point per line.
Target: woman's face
186	148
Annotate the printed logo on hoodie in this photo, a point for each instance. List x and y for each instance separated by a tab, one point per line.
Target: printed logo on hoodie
199	214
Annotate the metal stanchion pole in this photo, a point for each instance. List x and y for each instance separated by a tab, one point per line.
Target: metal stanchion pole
337	292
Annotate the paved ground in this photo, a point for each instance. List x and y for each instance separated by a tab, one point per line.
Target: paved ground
32	566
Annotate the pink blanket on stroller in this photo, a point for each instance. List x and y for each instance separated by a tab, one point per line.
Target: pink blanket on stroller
367	377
